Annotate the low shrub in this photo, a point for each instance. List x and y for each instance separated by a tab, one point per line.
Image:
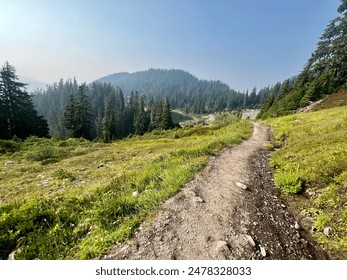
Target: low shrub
9	146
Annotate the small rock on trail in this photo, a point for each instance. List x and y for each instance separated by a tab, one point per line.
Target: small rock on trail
242	186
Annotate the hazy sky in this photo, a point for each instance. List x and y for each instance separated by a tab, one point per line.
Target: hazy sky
243	43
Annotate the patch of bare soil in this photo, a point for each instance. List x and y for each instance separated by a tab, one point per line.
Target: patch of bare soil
309	107
229	211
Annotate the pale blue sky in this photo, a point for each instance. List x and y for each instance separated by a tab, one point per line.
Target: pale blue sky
243	43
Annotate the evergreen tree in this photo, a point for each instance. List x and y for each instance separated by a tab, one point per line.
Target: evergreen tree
328	64
3	119
158	117
99	124
83	114
109	120
339	63
18	115
264	111
77	119
245	100
285	88
166	116
68	120
120	103
252	100
142	118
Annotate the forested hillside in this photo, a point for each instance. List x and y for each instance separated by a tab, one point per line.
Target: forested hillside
184	91
122	104
99	111
324	73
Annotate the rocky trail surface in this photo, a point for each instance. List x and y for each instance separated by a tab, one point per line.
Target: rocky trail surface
229	211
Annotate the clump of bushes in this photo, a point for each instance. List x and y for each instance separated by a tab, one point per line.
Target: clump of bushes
9	146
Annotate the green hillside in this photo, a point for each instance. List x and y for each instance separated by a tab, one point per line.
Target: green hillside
74	199
310	165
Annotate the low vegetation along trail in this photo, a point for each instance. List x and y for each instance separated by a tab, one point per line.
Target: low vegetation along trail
229	211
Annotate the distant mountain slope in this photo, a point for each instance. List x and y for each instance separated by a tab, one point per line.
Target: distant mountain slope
32	84
153	80
185	91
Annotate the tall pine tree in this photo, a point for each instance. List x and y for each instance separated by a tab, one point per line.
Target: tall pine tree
166	115
68	120
17	115
109	120
77	117
142	118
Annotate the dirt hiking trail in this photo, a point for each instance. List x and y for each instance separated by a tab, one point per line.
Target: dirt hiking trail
229	211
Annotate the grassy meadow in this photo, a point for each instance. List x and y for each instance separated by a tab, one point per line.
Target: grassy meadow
74	199
310	162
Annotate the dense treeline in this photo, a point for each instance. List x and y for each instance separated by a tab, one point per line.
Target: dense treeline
184	91
18	117
99	111
324	73
114	112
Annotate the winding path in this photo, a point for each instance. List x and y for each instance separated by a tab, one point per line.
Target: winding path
229	211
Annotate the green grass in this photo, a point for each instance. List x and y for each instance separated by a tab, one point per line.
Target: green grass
312	163
56	204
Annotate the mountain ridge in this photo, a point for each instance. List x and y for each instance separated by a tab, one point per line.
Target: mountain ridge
147	80
184	90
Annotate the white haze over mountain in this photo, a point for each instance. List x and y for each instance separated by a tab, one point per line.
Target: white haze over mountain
32	84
